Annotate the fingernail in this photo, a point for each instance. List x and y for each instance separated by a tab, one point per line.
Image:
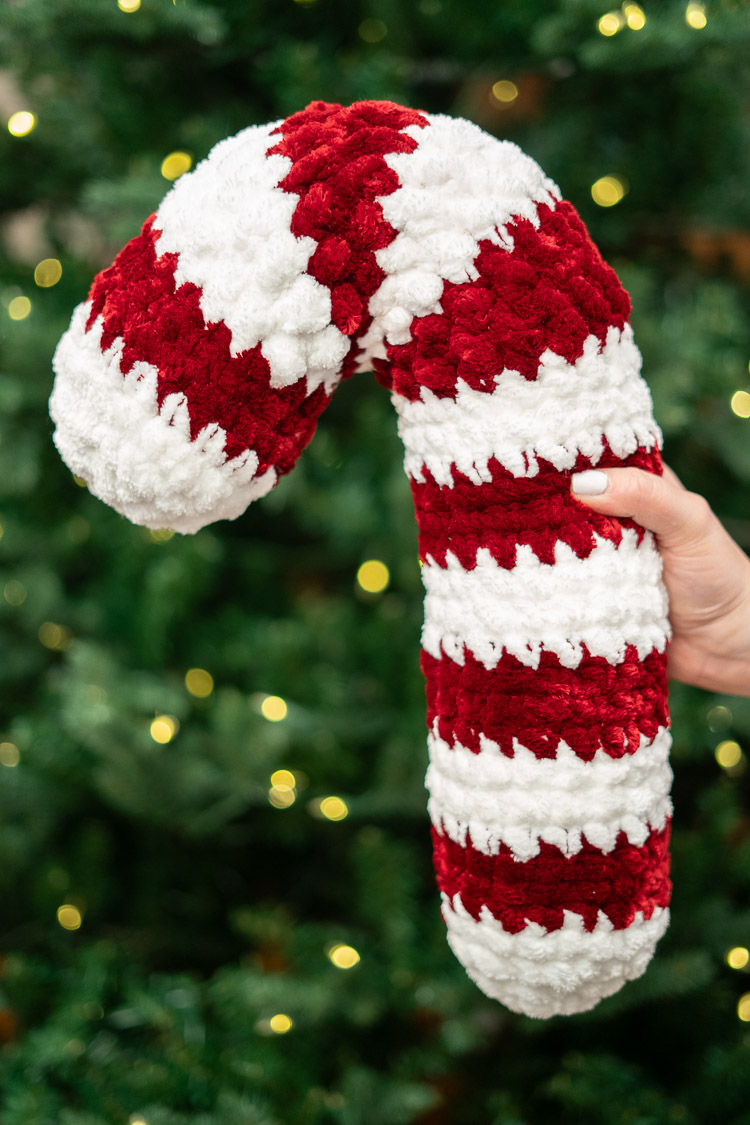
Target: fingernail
591	483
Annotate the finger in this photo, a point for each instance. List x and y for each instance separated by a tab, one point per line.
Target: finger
660	504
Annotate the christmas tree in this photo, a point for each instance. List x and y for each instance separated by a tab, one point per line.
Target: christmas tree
219	900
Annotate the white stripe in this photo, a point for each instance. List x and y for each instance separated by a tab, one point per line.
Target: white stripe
613	598
458	187
135	457
565	411
522	800
230	224
561	972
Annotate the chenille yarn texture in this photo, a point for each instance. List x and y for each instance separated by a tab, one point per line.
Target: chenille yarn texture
378	238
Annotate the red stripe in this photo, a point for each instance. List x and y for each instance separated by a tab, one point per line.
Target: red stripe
595	706
552	290
500	515
619	883
165	327
338	170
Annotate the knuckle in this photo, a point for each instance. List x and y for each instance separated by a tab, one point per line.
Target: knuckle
645	488
701	513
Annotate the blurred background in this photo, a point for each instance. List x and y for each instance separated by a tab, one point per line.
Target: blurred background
218	900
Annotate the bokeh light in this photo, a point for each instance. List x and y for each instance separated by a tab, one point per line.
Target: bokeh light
372	30
274	708
53	636
343	956
504	91
728	754
176	165
373	576
9	754
334	808
48	272
738	957
69	916
609	190
635	16
21	123
740	404
163	728
19	308
15	592
611	23
719	718
281	798
695	16
199	682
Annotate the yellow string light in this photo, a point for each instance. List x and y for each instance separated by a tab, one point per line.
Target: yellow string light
609	190
281	798
161	534
728	754
199	682
343	956
333	808
19	308
281	1023
14	592
69	916
740	404
611	23
695	16
9	754
283	779
273	708
128	5
372	30
56	637
176	165
743	1007
20	124
163	728
505	92
738	957
373	576
635	16
48	272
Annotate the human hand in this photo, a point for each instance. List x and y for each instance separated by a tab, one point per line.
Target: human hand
706	573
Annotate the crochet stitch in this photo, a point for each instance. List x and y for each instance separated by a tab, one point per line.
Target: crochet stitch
375	237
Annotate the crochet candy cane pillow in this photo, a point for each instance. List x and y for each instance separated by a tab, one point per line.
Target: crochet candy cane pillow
374	237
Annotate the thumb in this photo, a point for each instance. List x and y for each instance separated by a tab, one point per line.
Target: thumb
660	504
